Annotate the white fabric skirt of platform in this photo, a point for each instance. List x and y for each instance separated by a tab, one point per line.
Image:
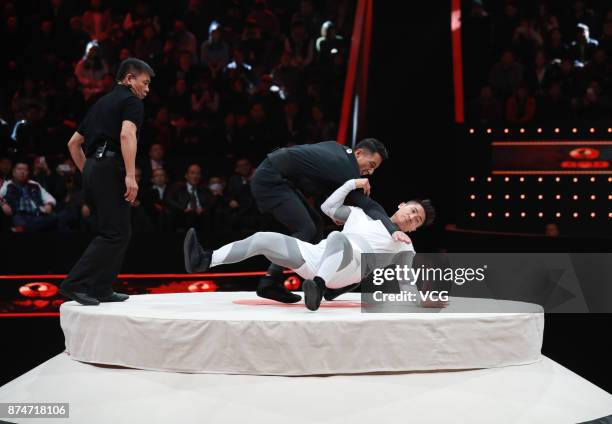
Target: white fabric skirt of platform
238	333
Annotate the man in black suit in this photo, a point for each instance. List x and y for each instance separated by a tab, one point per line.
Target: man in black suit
189	201
584	47
155	201
281	183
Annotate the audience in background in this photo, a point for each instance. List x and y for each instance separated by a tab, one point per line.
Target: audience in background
546	60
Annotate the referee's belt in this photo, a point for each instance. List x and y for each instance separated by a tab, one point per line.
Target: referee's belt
107	154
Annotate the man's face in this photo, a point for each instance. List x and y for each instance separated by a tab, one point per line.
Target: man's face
159	177
5	166
156	152
368	162
244	168
194	175
21	173
507	58
181	86
409	216
139	83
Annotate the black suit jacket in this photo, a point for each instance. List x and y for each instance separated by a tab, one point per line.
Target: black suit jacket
179	198
319	169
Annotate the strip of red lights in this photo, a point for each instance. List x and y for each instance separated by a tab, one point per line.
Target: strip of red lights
130	276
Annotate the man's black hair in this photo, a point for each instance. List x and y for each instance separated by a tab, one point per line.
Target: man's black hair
131	65
373	146
430	211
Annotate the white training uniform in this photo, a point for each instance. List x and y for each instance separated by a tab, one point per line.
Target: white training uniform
365	234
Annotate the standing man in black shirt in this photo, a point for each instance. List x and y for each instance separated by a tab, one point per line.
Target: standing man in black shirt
104	150
280	185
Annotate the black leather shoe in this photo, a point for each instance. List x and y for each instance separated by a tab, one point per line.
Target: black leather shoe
79	297
272	288
331	294
196	258
114	297
313	293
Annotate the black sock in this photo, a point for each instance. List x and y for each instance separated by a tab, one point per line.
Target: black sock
274	271
320	282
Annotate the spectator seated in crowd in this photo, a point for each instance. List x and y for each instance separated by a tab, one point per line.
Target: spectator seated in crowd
27	202
90	71
583	48
155	201
189	201
245	217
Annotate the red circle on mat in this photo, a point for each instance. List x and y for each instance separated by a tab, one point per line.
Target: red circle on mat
267	302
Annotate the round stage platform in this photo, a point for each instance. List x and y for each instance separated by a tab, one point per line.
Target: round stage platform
239	333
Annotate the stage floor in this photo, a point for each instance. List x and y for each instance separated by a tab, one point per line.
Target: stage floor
542	392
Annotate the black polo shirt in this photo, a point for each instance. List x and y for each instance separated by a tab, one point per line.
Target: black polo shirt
104	119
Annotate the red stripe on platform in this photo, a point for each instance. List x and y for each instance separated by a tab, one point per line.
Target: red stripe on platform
30	315
143	276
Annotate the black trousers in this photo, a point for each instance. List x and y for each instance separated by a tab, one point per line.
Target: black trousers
276	195
104	187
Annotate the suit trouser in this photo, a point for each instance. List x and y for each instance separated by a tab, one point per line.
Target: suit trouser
276	195
104	187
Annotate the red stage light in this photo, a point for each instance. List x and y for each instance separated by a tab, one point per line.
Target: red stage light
203	286
38	289
292	283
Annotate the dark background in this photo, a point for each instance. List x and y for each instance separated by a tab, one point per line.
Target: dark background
410	108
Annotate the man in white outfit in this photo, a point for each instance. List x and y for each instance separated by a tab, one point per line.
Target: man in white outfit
335	262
